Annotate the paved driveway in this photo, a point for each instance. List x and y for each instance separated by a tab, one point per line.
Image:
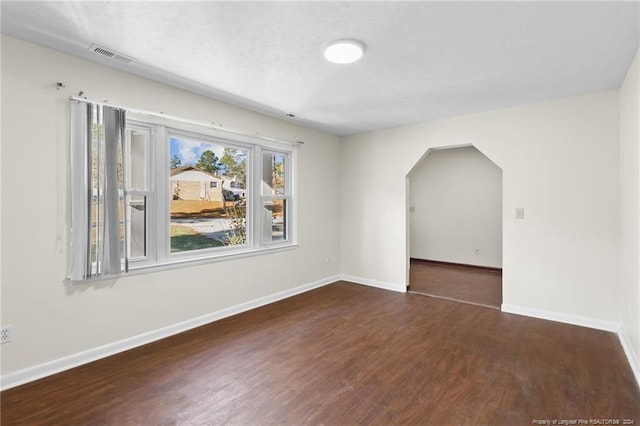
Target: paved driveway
216	229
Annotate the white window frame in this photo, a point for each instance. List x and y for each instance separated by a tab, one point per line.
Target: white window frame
159	254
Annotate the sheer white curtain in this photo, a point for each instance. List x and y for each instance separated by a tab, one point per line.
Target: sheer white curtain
98	237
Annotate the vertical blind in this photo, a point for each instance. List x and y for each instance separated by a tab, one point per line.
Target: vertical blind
98	237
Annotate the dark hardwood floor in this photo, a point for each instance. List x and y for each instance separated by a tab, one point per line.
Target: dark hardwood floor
347	354
480	286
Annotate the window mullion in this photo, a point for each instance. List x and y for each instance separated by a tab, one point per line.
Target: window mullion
162	208
257	200
292	208
152	206
251	197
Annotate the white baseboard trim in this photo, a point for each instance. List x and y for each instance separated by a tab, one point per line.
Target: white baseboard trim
560	317
632	357
40	371
374	283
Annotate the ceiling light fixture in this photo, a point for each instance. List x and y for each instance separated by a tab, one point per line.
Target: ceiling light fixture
344	51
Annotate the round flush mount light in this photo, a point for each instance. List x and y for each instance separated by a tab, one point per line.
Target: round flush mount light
344	51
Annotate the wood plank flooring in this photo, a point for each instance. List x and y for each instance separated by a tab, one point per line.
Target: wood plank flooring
347	354
456	282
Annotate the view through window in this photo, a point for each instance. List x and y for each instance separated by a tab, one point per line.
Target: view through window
208	184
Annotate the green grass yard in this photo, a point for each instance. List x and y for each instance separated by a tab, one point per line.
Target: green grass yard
184	238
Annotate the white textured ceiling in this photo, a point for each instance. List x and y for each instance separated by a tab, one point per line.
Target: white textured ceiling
424	60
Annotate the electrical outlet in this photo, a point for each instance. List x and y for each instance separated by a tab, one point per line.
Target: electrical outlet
477	252
327	261
5	334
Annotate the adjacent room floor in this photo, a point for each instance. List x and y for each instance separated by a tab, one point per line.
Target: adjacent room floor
479	286
347	354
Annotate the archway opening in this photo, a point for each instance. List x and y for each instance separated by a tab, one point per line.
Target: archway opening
455	226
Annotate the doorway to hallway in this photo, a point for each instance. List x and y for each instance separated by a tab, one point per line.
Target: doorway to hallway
455	226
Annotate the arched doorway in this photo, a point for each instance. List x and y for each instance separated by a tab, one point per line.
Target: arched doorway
455	226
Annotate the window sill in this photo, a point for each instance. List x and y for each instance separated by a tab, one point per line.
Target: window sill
183	263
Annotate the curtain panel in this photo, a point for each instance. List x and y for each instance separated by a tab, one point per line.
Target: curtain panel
97	214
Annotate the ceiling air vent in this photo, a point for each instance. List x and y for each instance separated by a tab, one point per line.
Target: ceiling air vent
108	53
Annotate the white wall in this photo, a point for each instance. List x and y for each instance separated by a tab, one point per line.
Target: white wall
456	208
630	211
560	161
50	320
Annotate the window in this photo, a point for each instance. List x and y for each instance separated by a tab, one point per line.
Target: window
184	193
201	215
275	192
137	155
